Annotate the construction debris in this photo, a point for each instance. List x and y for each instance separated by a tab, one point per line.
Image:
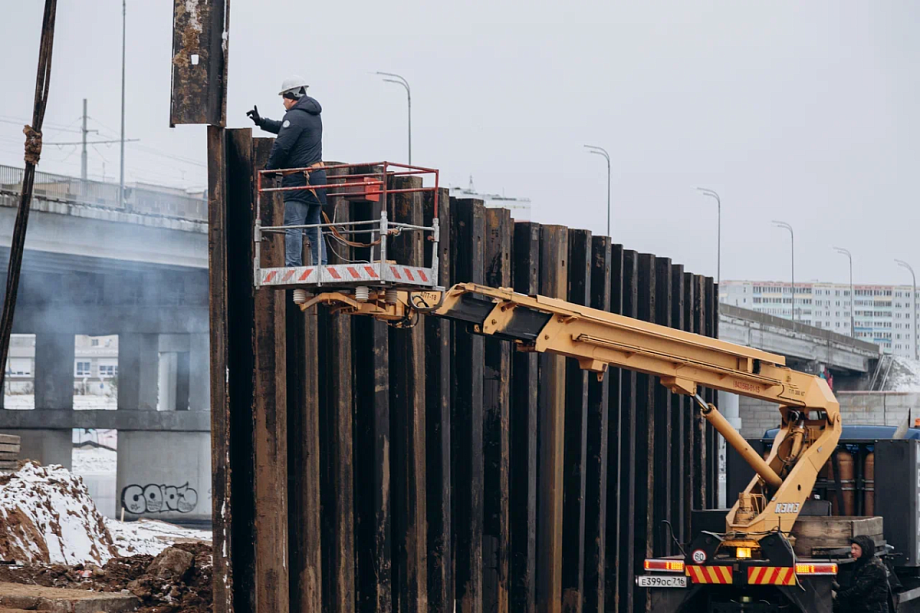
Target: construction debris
176	581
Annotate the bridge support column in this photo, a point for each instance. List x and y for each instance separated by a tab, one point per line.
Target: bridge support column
164	475
54	371
167	380
199	391
138	363
729	405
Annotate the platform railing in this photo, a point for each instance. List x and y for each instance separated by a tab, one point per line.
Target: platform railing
366	186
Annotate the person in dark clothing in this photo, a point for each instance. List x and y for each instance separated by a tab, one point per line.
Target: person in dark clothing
299	145
867	591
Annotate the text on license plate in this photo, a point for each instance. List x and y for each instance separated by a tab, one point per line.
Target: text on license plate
658	581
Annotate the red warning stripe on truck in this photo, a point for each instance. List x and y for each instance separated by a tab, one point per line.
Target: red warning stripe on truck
710	574
771	575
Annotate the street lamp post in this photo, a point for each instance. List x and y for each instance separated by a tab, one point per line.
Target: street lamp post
713	194
395	78
121	180
603	152
786	226
913	302
852	313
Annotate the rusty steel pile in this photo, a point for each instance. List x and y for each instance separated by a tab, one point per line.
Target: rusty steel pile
361	467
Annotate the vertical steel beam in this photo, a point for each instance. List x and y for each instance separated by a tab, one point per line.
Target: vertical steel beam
221	509
467	238
614	531
496	406
626	568
304	523
596	445
337	455
663	457
199	62
714	333
437	421
645	434
524	382
550	432
236	308
407	423
712	318
576	433
373	479
689	418
270	418
701	451
679	406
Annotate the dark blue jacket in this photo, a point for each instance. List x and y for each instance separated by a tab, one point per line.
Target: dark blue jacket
299	144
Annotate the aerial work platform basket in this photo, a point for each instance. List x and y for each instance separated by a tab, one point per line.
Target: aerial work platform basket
370	183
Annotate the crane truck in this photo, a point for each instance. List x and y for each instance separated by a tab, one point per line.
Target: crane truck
750	565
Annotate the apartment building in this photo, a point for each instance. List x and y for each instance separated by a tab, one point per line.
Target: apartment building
882	314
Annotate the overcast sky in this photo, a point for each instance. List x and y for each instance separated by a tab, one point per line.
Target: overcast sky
800	111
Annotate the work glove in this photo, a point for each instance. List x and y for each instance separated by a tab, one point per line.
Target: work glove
254	115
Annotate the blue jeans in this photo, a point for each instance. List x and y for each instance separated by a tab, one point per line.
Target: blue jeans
299	213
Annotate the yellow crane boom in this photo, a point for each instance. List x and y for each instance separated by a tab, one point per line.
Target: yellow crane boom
810	415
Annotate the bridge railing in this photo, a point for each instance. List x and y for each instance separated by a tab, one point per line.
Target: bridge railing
139	199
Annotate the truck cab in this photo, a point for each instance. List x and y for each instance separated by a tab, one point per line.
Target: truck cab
870	485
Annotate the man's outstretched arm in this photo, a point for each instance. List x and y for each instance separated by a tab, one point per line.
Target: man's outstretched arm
269	125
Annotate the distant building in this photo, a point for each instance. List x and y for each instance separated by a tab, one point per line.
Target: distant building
95	364
520	207
882	313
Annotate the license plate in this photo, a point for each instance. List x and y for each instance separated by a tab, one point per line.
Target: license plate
661	581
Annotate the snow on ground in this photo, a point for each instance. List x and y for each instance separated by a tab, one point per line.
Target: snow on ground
148	536
46	515
25	402
94	461
904	375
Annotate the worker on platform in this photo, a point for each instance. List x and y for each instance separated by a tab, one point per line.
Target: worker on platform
299	145
867	590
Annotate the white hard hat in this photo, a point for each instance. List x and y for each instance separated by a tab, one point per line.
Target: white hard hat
292	84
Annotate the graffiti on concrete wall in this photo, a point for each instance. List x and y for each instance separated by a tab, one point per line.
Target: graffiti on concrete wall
153	498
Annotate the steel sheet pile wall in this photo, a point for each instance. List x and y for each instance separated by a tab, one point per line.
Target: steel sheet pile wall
360	467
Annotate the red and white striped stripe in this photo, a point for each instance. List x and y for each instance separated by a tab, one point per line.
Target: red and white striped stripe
347	274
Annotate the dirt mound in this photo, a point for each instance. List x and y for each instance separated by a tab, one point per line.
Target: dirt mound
47	516
178	580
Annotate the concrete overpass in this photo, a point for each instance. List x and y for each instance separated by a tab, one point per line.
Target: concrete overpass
137	269
804	346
